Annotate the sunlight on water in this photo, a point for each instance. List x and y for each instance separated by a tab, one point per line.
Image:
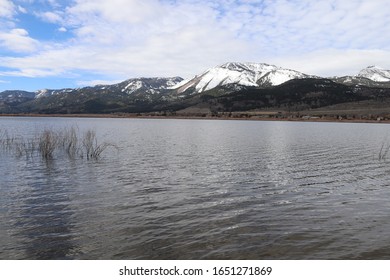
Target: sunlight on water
199	189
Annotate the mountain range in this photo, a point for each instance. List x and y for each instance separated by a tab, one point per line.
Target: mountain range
228	87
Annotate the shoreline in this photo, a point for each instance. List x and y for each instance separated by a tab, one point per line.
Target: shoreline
194	117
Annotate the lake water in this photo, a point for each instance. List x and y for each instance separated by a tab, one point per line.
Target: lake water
199	189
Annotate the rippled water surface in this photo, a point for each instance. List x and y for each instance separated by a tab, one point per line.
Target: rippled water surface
200	189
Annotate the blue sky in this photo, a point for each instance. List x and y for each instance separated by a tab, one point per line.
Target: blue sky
58	44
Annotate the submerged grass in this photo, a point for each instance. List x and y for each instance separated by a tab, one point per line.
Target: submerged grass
50	143
6	141
384	150
47	143
93	149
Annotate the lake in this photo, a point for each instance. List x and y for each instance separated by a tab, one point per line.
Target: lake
199	189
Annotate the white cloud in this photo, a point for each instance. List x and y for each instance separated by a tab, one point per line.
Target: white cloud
22	10
97	82
130	38
7	8
31	73
54	3
133	11
52	17
18	40
164	40
303	26
334	62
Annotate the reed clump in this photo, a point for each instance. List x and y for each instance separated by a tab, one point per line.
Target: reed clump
47	143
93	149
6	141
385	148
69	141
50	143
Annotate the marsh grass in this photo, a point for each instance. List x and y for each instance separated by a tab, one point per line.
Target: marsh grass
385	148
70	142
49	144
25	148
6	141
93	149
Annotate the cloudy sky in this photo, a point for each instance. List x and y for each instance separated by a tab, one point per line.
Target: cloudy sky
72	43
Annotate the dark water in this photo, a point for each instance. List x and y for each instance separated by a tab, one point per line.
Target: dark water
200	189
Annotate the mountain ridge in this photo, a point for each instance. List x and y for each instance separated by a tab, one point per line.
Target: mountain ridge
371	76
246	74
375	73
217	84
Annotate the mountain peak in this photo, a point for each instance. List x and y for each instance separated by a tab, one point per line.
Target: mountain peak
375	73
248	66
148	85
240	65
246	74
373	67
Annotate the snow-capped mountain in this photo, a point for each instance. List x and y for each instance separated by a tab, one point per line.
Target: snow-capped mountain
232	74
50	92
371	76
9	99
144	86
280	76
14	96
156	94
375	74
148	85
245	74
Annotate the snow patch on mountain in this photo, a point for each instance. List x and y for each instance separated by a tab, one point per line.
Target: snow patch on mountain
149	85
372	76
41	93
245	74
280	76
138	85
132	86
375	73
49	92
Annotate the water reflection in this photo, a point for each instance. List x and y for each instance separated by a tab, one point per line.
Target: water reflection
44	222
203	190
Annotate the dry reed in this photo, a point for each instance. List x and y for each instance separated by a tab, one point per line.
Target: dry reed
50	143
